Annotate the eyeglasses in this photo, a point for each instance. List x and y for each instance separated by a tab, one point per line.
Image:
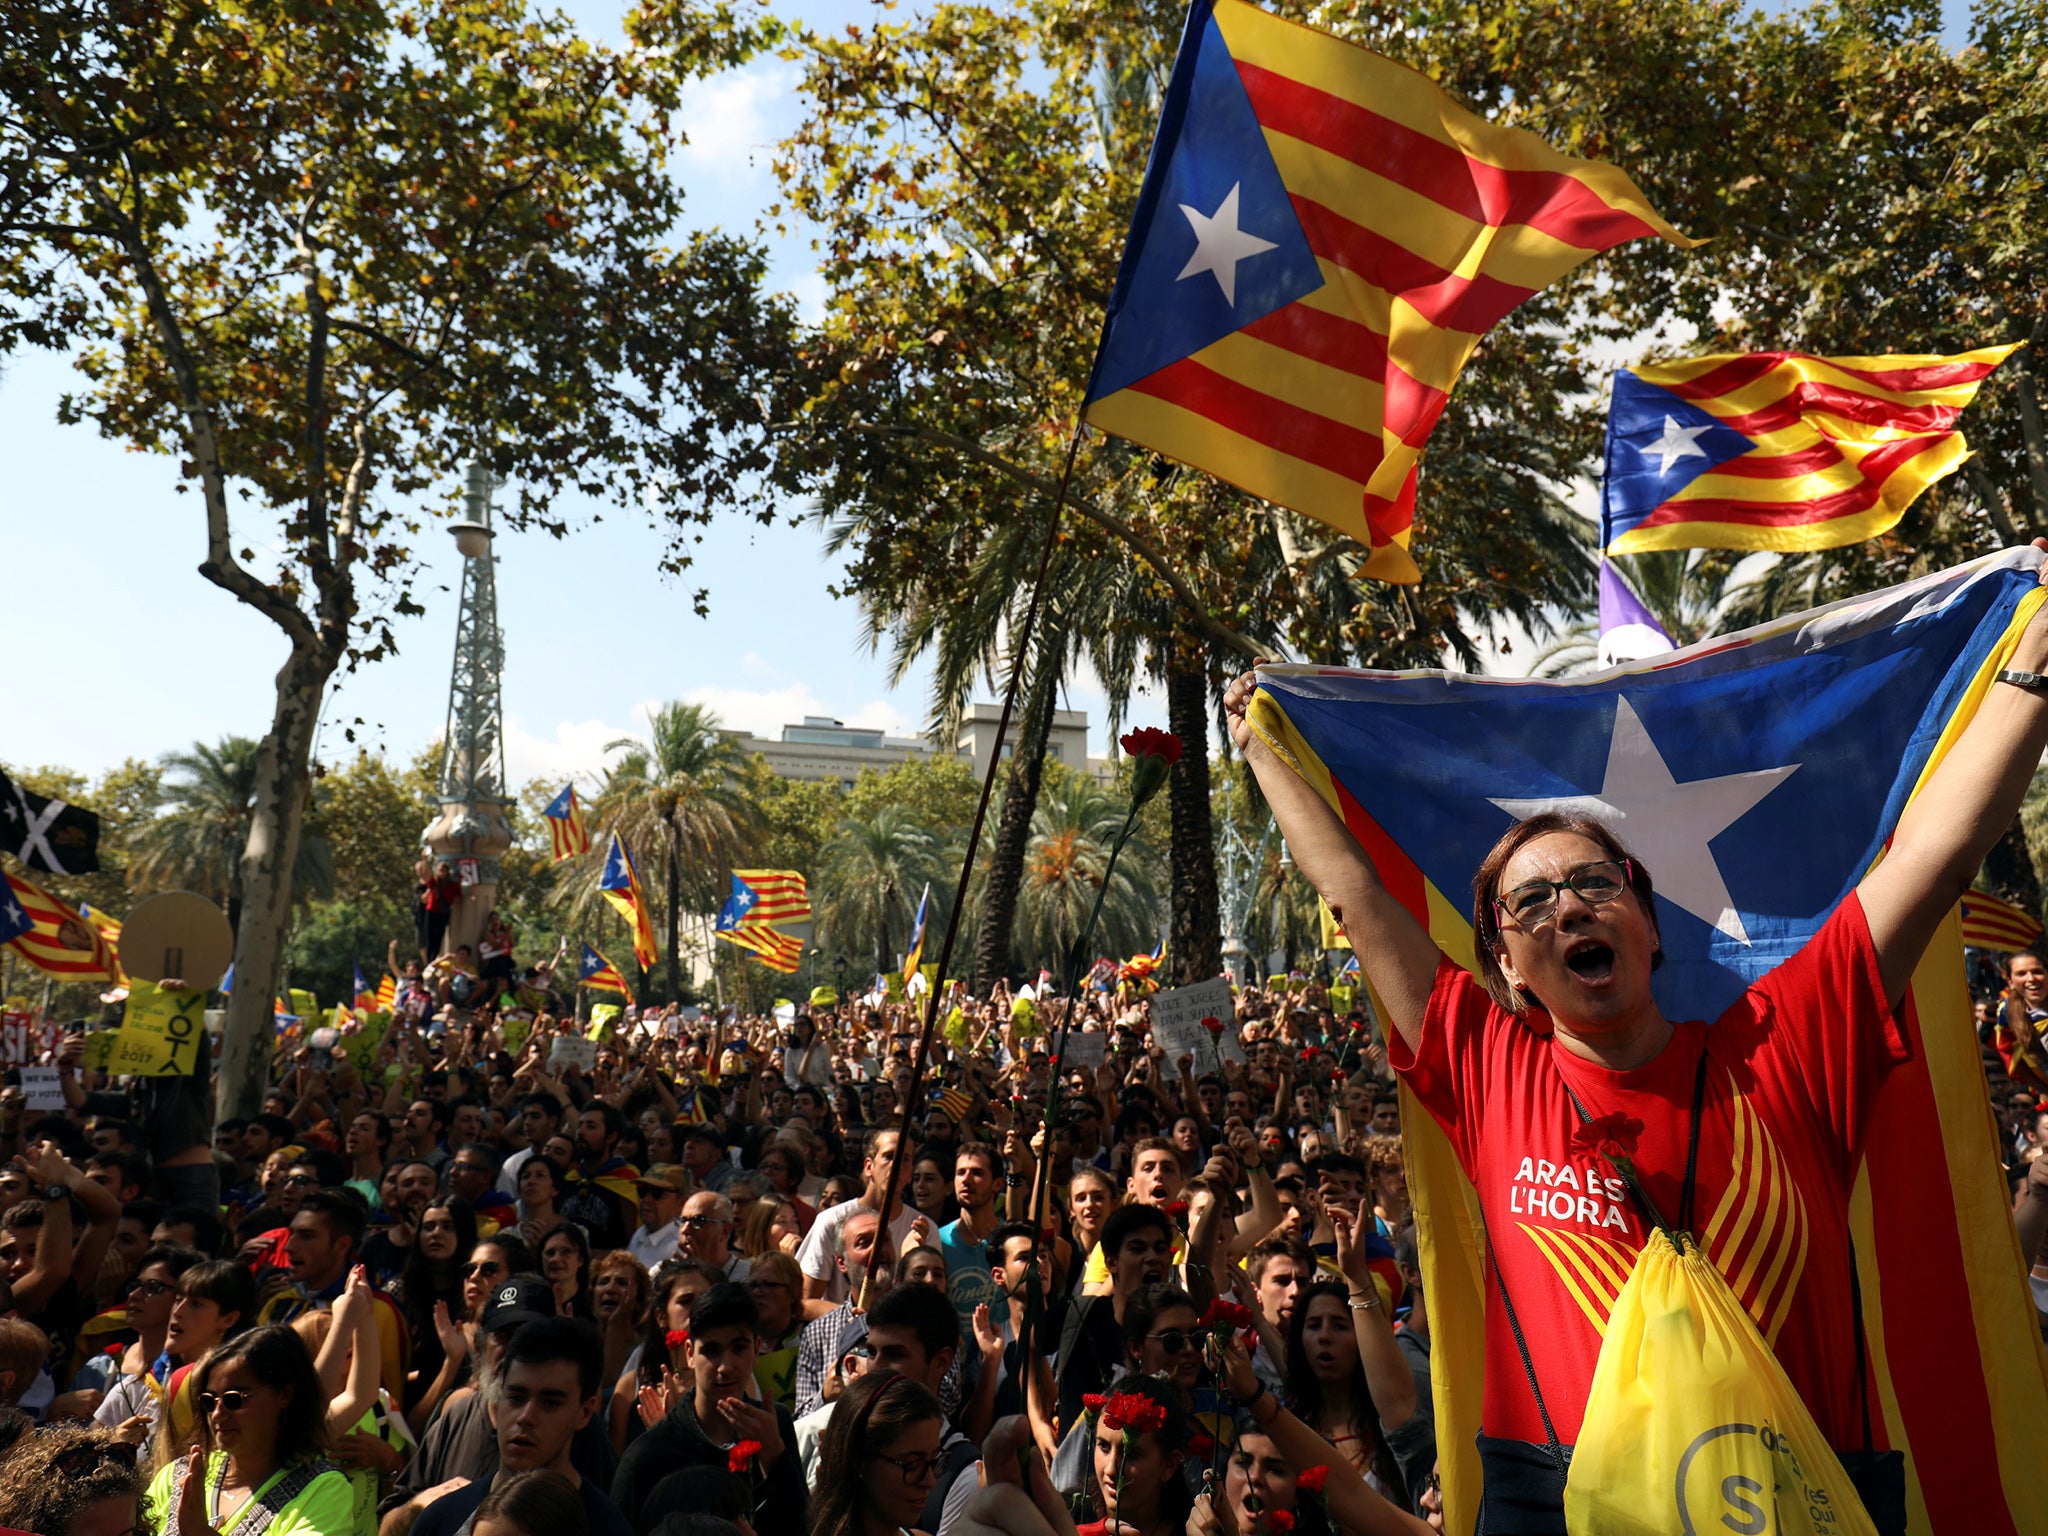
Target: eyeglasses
916	1469
699	1223
234	1400
300	1178
487	1267
148	1289
1174	1340
1596	884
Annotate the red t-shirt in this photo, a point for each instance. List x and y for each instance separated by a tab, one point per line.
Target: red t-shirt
1793	1069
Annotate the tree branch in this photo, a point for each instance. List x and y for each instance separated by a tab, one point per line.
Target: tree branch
1994	504
1209	625
411	354
220	566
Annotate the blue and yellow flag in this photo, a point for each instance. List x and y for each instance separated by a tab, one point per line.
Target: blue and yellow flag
620	885
916	954
1760	776
600	975
1322	239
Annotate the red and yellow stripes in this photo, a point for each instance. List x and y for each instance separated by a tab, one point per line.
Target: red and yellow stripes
62	942
1844	445
781	895
1989	923
1430	224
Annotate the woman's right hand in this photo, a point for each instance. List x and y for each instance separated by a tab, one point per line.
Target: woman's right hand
192	1519
1237	698
454	1342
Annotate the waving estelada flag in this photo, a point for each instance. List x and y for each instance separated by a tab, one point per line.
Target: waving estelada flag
566	825
1322	238
768	896
387	993
57	939
600	974
1989	923
620	885
1759	776
775	949
1779	450
915	954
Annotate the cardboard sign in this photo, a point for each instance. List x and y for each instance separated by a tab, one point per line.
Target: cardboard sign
602	1016
515	1030
1087	1048
41	1088
159	1035
1177	1024
568	1050
361	1047
17	1039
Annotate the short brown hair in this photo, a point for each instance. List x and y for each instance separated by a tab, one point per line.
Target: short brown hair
1157	1144
1486	889
23	1348
1382	1154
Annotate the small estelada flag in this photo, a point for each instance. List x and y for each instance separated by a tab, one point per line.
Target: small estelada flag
1989	923
566	825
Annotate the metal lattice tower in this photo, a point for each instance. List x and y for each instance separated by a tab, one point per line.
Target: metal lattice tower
473	766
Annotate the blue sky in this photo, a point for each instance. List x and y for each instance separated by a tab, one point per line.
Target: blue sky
118	647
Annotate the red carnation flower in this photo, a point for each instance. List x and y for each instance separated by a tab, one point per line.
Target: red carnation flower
1048	1237
1229	1314
1177	1210
1610	1136
1313	1479
1336	1074
1279	1521
1214	1025
740	1459
1154	752
1202	1443
1133	1411
1092	1402
677	1338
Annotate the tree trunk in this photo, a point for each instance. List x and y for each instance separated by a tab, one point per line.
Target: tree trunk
675	880
2009	869
1013	830
1194	942
282	780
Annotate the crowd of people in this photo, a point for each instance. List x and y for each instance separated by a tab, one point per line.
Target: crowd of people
458	1282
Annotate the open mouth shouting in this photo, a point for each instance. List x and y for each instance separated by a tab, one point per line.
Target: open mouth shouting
1591	961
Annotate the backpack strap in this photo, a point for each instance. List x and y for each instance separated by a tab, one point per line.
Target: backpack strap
257	1515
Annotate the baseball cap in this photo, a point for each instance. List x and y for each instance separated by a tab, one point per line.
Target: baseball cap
668	1176
522	1299
704	1133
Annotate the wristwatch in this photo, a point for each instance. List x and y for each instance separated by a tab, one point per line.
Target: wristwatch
55	1192
2033	682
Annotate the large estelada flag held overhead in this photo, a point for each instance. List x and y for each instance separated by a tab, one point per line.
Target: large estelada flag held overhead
1321	240
1759	777
1779	450
620	885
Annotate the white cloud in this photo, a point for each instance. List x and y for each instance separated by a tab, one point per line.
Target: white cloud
576	750
734	120
764	712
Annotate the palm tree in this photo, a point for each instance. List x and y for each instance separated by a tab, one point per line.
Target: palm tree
196	841
870	879
677	794
1071	834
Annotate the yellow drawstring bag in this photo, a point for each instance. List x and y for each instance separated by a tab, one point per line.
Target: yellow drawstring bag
1692	1427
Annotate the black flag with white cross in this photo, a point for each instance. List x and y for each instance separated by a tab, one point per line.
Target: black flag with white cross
52	835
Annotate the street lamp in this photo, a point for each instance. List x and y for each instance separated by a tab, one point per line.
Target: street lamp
473	534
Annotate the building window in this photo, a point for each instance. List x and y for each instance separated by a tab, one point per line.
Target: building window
1056	751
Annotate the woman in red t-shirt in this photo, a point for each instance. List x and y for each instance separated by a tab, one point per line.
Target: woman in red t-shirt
1748	1130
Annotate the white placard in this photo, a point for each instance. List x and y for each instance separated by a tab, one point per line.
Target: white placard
1087	1048
570	1049
41	1089
1177	1023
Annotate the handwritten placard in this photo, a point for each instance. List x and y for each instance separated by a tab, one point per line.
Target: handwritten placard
570	1051
1177	1025
1087	1048
41	1088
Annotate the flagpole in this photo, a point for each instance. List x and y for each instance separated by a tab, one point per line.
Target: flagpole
995	766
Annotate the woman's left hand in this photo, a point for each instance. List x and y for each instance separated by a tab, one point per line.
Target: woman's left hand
192	1519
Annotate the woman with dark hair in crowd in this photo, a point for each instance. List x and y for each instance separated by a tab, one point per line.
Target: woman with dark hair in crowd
677	1282
1137	1485
620	1290
215	1301
433	1274
368	1147
542	1184
565	1261
879	1458
262	1434
537	1503
81	1483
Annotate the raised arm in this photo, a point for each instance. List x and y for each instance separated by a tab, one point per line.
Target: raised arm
1399	957
1950	827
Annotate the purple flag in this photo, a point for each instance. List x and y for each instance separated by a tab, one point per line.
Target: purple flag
1627	632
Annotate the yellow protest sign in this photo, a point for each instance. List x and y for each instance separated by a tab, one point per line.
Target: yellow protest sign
515	1032
361	1047
1340	999
601	1016
159	1034
99	1048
